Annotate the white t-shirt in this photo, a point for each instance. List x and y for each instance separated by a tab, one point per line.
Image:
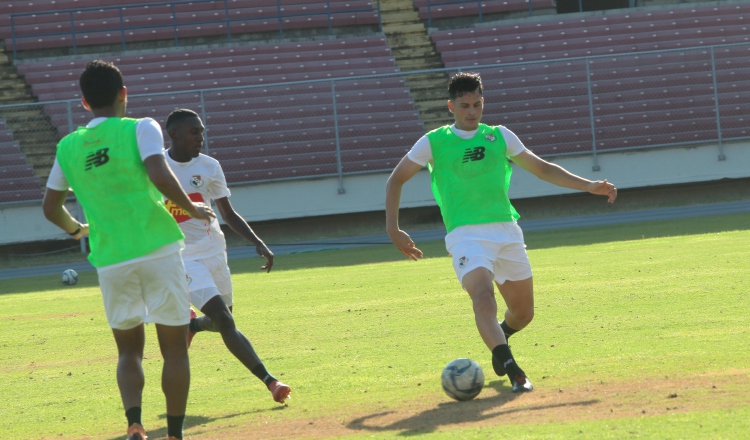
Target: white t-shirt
147	134
421	152
203	180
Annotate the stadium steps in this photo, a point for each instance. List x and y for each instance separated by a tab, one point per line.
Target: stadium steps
13	89
31	127
38	138
13	92
413	49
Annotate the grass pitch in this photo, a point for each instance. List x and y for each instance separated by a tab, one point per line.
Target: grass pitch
641	332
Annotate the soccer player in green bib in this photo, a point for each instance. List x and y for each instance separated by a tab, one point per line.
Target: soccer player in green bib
117	170
470	174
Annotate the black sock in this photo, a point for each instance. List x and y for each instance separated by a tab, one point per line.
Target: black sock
194	327
503	354
174	425
134	415
507	330
261	373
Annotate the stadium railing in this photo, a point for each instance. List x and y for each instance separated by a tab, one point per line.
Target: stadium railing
576	106
84	25
429	9
438	9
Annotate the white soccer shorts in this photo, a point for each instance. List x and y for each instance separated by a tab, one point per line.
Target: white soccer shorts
498	247
207	278
152	291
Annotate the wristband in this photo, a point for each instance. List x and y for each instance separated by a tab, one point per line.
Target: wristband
73	234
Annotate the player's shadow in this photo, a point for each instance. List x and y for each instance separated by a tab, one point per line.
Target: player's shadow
453	413
192	421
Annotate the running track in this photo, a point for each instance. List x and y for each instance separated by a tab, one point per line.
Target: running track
436	234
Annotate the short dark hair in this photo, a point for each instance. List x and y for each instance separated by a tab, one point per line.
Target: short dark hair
464	82
178	116
100	83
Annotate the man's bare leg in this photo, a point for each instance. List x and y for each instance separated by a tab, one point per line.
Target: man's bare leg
478	283
175	377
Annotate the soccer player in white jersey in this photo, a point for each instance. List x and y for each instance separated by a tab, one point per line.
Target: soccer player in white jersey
205	257
468	164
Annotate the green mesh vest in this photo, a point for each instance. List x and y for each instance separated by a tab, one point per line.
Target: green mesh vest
125	211
471	177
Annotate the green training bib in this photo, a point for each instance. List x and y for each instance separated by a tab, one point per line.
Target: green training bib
126	214
471	177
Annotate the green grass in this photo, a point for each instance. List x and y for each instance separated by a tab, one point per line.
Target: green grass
364	331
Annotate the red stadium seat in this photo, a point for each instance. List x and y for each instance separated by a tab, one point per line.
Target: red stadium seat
19	183
13	159
6	136
21	195
15	171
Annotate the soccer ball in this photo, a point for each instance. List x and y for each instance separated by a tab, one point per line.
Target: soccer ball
463	379
69	277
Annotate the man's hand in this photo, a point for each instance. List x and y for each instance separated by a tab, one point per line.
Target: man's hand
404	243
240	226
202	212
603	188
266	253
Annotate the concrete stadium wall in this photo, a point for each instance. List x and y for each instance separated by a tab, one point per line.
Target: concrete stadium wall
306	198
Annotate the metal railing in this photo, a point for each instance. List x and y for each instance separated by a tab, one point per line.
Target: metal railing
575	106
481	8
431	4
76	31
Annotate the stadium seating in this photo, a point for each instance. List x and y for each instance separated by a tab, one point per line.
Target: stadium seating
539	88
107	23
287	130
17	179
595	35
637	100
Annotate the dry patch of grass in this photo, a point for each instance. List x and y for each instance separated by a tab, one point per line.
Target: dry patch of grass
497	407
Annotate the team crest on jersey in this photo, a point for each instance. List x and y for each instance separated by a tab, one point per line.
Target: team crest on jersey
196	181
462	262
490	137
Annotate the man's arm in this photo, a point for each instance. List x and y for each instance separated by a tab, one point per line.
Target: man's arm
163	178
240	226
405	170
559	176
54	209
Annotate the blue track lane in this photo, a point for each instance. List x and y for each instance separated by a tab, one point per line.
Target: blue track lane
435	234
